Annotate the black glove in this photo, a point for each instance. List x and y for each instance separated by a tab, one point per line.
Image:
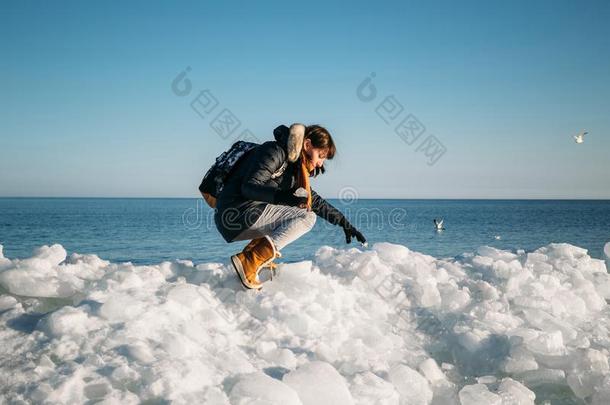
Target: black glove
350	232
287	197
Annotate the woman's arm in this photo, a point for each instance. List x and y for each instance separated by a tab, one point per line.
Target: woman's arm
325	210
268	158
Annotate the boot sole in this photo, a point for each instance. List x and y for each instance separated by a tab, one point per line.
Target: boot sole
242	276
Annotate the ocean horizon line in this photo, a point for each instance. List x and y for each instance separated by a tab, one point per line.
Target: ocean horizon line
328	198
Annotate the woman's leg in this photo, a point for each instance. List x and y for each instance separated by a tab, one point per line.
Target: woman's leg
281	223
295	223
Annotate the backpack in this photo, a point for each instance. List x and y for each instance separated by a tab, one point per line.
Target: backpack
215	178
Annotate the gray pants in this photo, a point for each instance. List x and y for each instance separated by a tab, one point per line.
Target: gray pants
281	223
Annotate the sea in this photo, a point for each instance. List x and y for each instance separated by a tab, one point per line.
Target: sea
152	230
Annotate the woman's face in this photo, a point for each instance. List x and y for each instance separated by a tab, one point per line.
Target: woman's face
315	156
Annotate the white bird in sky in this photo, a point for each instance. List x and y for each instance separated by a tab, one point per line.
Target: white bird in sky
580	138
438	224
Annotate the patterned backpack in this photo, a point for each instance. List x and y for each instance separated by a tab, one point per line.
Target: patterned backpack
214	179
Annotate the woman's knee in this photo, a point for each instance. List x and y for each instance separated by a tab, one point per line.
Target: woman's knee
310	219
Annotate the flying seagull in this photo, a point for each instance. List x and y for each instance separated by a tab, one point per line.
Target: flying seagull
580	138
438	224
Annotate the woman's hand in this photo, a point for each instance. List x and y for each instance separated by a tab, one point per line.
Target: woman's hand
350	231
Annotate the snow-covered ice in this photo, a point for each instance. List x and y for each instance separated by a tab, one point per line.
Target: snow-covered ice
384	325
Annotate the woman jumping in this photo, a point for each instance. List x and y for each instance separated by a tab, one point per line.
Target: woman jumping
267	198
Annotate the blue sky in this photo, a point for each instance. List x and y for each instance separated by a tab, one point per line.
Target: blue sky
87	107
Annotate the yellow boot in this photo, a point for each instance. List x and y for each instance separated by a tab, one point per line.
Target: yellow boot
258	253
272	265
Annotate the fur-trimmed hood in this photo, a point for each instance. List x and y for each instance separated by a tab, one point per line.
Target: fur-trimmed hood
291	139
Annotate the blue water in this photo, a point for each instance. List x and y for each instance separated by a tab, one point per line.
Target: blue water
148	231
